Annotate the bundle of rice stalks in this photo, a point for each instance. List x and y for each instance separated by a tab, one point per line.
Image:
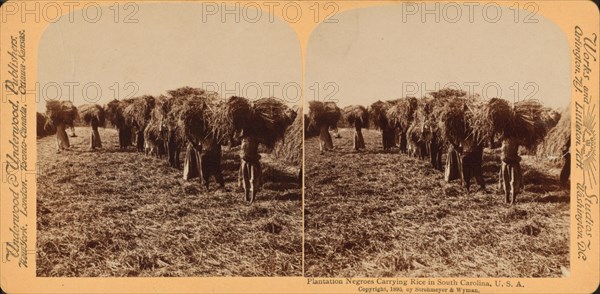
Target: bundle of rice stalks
557	138
269	120
290	148
527	121
137	113
152	132
425	120
230	117
114	112
133	116
89	112
266	119
43	128
550	117
401	114
531	123
170	109
157	113
378	114
61	112
323	113
356	115
185	92
414	134
490	118
310	130
448	93
453	125
40	120
194	116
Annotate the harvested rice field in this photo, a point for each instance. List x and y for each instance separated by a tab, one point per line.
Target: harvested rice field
121	213
384	214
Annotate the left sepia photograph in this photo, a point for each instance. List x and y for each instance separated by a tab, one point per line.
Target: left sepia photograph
169	143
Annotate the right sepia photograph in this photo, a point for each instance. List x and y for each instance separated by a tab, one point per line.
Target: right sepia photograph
437	148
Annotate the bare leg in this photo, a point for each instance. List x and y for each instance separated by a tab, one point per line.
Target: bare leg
478	174
92	145
515	181
256	173
62	140
217	172
505	180
359	141
206	172
246	176
467	171
325	138
241	176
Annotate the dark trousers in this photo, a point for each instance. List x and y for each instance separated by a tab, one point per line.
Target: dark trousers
471	168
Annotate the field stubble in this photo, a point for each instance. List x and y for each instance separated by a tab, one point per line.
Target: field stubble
374	213
121	213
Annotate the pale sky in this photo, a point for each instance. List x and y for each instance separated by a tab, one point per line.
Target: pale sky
169	48
370	54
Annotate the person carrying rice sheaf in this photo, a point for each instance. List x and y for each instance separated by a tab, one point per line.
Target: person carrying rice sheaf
137	115
324	115
154	139
400	116
525	124
511	177
114	114
465	152
378	117
435	149
358	117
263	121
95	141
435	144
420	132
60	114
471	161
93	115
250	168
168	126
194	112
